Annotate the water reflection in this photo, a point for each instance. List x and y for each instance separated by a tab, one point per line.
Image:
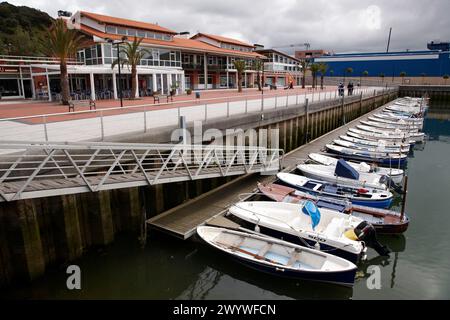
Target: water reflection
246	283
397	245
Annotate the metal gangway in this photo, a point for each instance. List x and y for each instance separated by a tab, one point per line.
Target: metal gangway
42	169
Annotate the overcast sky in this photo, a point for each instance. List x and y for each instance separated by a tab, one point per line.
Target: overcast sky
334	25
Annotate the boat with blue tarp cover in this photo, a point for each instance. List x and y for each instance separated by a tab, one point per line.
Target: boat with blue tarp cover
343	173
294	223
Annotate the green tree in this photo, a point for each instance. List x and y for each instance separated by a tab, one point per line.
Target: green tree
240	66
258	66
323	67
403	75
130	54
304	65
314	70
63	44
381	75
445	76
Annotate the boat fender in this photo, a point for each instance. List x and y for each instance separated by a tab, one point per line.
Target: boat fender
350	234
257	229
367	233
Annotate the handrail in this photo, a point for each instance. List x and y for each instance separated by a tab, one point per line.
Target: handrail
196	101
40	169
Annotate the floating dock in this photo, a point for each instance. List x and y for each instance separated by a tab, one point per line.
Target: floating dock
183	220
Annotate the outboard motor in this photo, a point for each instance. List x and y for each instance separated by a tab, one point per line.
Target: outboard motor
389	182
367	233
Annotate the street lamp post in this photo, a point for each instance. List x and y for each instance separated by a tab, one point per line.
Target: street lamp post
118	43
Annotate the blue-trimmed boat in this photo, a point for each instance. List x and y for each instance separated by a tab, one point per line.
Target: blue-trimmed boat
368	197
381	158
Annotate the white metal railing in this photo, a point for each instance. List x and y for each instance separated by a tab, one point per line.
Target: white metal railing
101	123
41	169
35	59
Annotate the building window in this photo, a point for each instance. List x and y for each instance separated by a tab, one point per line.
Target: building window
141	34
111	29
122	31
131	32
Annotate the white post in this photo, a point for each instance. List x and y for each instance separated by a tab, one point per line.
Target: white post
245	79
48	86
155	87
136	93
114	83
228	77
91	79
183	83
21	82
169	82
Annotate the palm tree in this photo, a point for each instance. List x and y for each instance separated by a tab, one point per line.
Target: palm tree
365	73
258	66
131	55
63	44
240	66
349	71
323	67
314	70
403	75
445	76
304	64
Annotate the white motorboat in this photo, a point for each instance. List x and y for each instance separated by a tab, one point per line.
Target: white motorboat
378	148
395	133
375	143
302	223
399	123
391	127
344	174
355	133
395	174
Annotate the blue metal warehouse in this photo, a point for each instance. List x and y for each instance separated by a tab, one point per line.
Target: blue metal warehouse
432	63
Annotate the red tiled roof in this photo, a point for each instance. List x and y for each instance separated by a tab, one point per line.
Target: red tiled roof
126	22
223	39
176	43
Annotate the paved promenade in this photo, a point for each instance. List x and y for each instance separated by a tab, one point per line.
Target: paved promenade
51	122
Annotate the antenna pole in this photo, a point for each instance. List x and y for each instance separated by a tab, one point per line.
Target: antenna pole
389	40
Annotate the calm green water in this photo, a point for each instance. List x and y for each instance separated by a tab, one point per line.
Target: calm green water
418	267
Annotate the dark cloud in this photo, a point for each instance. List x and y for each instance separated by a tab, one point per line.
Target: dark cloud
340	26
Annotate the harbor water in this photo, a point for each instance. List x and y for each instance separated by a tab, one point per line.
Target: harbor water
168	268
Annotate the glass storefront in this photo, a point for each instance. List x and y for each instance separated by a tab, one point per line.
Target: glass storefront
106	53
10	87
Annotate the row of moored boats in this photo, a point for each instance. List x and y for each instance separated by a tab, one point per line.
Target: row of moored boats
316	223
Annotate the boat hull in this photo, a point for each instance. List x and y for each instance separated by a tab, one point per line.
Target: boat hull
392	223
382	204
350	256
389	162
346	278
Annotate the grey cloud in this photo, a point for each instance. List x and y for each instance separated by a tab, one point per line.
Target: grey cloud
339	26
